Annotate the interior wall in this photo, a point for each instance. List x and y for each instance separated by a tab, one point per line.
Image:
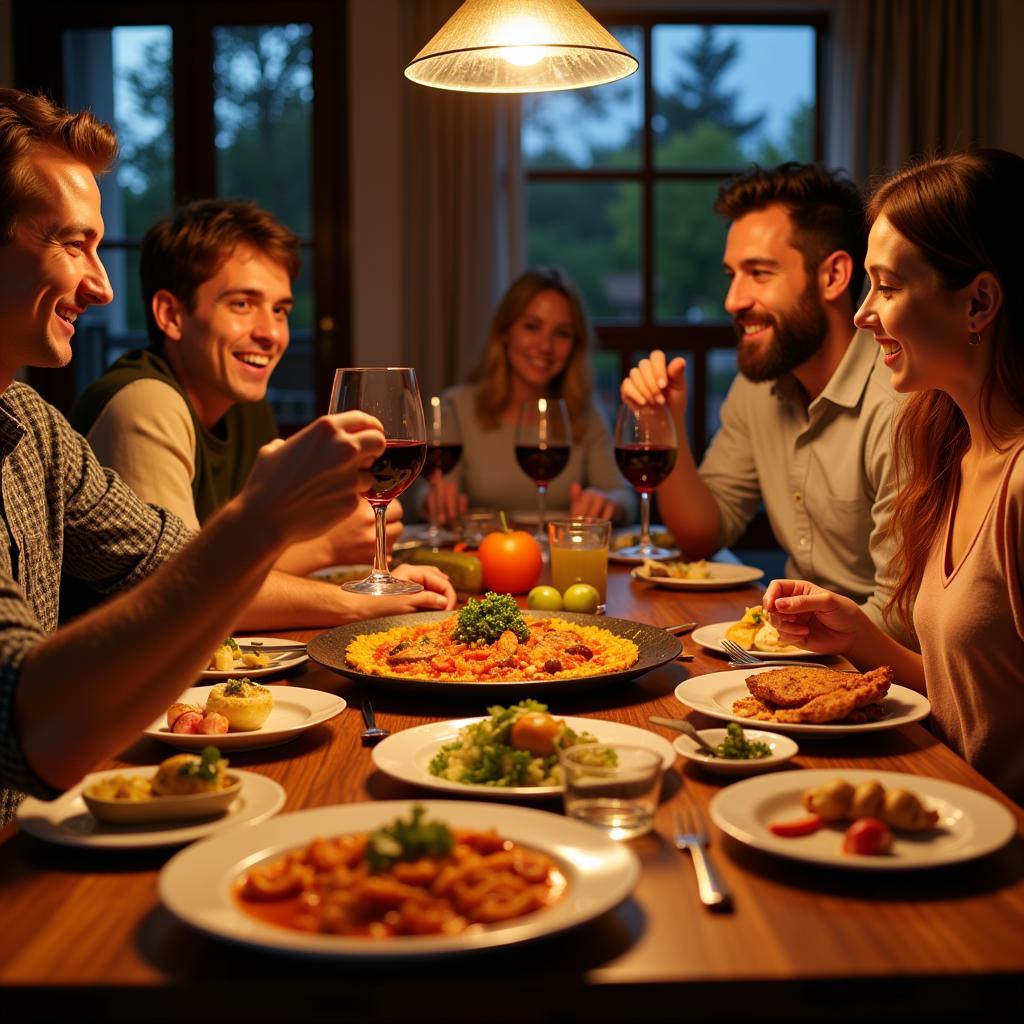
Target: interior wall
376	155
6	53
1009	76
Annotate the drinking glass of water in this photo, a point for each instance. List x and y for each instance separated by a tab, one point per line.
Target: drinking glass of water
613	786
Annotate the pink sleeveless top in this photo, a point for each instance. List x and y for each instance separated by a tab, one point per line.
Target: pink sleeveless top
970	621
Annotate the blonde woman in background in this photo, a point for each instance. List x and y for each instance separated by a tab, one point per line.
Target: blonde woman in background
538	347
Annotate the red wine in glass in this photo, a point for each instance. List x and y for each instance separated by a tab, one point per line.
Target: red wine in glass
395	469
392	395
645	451
443	457
542	464
543	443
444	449
645	466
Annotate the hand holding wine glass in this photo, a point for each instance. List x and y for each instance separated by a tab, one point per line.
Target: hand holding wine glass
392	395
645	451
543	444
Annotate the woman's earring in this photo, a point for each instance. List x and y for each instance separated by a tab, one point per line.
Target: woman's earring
973	337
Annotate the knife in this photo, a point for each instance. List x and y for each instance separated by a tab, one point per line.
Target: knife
276	649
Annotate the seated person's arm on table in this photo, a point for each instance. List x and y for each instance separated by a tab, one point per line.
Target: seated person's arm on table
146	434
352	541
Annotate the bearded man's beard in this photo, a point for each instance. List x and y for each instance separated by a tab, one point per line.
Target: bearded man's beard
796	337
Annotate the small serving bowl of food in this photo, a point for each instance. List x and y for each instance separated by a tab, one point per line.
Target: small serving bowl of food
740	751
186	787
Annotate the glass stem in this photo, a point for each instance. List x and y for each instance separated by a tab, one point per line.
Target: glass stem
541	492
434	532
380	558
435	511
645	519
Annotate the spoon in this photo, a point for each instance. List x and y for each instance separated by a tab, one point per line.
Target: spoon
684	727
373	732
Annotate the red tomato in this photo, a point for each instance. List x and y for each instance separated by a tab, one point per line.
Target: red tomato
511	562
868	836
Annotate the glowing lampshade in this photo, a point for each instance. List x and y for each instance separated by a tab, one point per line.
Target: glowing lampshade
520	46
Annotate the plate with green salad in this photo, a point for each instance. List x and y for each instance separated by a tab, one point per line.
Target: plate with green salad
510	753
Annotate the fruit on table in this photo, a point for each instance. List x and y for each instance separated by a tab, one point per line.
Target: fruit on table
544	598
581	597
868	836
511	561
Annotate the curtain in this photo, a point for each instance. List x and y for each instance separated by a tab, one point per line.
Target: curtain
462	195
912	78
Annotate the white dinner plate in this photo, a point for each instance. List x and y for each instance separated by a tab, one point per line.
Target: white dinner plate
406	755
295	710
782	747
970	823
723	576
715	693
67	821
711	637
281	663
196	884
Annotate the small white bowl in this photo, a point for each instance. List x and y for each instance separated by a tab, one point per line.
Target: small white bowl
194	806
783	748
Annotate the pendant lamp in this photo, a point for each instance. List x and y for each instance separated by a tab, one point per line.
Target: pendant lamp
520	46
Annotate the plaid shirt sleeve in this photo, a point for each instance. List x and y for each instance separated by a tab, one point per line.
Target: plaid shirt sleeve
64	514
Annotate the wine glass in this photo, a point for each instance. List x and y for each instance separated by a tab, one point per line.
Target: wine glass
393	396
645	451
543	443
444	449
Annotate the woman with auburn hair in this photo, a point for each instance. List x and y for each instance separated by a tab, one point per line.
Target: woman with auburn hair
538	347
946	307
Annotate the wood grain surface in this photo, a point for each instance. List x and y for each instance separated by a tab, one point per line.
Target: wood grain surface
82	932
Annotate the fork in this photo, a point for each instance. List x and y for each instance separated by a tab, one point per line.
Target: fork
692	835
739	658
373	732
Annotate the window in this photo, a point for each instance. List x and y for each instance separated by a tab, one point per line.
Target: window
224	98
620	182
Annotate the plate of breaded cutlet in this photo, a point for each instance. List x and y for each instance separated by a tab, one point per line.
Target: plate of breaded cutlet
801	699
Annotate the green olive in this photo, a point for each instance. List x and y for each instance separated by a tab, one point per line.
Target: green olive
544	599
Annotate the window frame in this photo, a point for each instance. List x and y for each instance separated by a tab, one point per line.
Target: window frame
649	333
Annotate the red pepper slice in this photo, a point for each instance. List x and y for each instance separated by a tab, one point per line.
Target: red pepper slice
799	827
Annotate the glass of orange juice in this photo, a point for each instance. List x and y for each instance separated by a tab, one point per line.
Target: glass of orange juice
579	553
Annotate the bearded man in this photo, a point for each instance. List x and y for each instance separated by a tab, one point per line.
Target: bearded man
805	428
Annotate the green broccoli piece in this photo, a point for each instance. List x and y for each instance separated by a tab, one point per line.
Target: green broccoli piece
484	619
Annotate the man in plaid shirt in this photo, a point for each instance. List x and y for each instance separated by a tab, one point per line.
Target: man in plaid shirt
70	697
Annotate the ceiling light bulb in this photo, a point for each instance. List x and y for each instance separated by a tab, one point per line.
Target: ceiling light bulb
522	56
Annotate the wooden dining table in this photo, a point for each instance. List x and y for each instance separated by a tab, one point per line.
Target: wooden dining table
83	932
